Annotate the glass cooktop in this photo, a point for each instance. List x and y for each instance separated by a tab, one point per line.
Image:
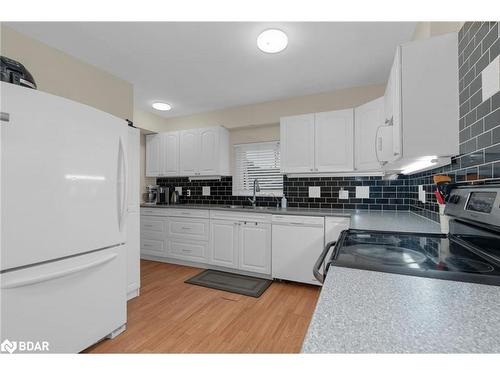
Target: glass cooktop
427	255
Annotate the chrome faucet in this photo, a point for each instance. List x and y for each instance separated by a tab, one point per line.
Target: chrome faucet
256	188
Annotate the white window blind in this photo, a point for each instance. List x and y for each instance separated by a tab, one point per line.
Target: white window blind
259	161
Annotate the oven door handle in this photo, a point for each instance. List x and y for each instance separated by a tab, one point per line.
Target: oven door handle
321	262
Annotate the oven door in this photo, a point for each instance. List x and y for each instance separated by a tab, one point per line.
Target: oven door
322	266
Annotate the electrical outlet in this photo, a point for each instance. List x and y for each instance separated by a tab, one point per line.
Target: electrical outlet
362	192
205	190
421	194
314	192
343	194
178	189
188	192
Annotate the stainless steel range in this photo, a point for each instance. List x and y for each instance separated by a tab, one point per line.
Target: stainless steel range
470	252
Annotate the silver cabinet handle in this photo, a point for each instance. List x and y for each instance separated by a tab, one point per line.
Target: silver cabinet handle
4	116
185	228
186	250
148	225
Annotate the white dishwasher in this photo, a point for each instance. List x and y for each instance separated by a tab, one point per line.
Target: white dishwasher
297	241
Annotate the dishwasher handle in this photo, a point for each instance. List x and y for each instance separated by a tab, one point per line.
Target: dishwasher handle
321	262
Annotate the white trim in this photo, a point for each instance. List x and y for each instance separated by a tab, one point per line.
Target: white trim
198	178
337	174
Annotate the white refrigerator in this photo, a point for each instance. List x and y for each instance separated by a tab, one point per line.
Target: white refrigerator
63	221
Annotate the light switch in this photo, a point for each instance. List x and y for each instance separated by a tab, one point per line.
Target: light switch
314	192
362	192
205	190
179	189
343	194
490	79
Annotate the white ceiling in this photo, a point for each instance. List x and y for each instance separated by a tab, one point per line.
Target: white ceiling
198	67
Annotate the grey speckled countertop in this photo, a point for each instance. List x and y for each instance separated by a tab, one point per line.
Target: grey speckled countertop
363	311
403	221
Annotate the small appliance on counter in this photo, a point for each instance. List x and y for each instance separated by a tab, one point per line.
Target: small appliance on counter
163	194
14	72
469	253
151	195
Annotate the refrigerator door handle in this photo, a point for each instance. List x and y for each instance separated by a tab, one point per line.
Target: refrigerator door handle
121	185
55	275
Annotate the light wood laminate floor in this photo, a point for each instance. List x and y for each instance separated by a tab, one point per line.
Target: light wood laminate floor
171	316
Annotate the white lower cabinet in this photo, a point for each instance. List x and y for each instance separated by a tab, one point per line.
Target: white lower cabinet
188	250
224	243
255	247
153	235
248	242
241	241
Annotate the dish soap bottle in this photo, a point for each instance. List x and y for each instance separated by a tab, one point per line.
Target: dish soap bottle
284	202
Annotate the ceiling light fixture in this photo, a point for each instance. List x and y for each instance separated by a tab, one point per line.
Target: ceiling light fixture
272	41
160	106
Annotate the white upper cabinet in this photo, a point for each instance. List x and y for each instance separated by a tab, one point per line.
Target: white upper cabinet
193	152
368	118
297	143
317	142
169	154
421	100
209	151
189	152
152	155
334	141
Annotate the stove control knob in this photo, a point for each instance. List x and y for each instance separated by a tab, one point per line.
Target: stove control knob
455	199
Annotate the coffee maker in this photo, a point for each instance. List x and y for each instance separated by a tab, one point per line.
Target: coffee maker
162	195
151	195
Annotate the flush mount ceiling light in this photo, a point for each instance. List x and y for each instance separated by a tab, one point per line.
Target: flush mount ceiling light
272	41
160	106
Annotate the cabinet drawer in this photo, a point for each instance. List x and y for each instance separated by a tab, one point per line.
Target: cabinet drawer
195	229
154	211
153	247
196	251
187	212
152	224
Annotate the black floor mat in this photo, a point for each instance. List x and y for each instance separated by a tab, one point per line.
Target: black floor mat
231	282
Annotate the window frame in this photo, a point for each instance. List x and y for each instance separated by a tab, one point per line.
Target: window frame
236	185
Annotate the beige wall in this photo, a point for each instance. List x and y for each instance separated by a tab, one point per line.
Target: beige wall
270	112
61	74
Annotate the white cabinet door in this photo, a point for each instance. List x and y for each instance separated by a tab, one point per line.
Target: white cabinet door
152	155
189	152
392	104
224	243
208	151
334	141
255	247
297	143
170	154
367	118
